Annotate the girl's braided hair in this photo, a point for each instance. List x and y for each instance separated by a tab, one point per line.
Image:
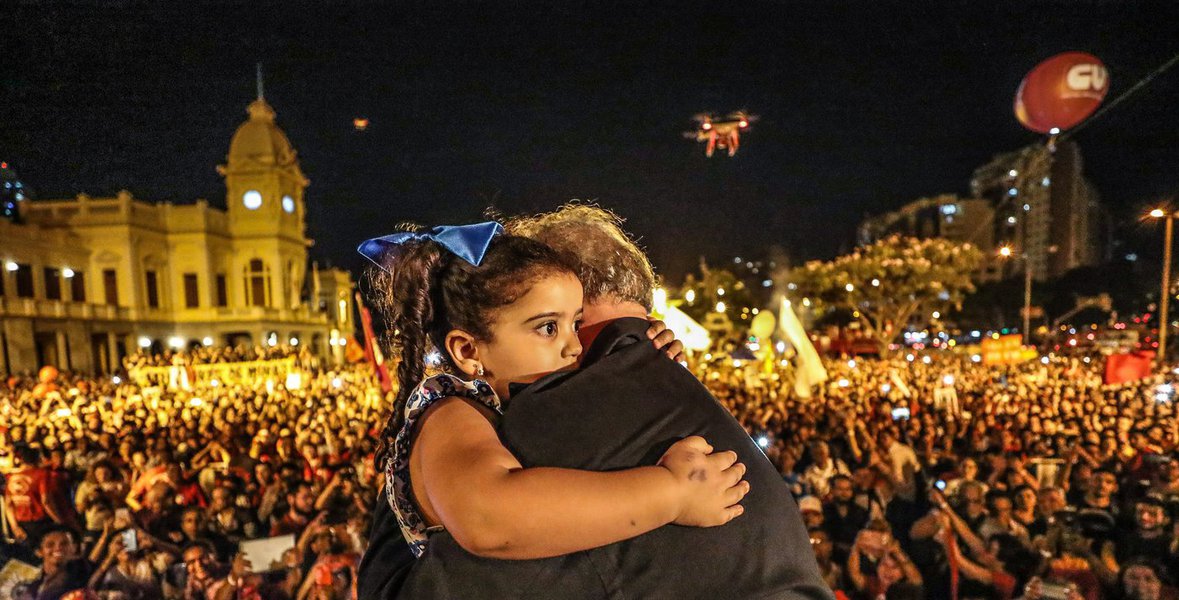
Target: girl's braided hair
424	292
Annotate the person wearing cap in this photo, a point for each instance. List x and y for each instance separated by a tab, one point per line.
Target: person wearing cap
812	512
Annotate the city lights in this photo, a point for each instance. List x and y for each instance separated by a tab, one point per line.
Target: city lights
720	307
68	273
11	266
690	296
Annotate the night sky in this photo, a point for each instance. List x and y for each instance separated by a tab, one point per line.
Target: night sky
863	105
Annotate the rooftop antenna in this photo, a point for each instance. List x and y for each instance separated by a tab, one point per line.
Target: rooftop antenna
258	72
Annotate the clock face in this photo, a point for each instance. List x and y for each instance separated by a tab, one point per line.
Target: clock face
252	199
288	204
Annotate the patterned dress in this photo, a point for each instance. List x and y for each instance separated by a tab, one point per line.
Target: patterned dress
398	489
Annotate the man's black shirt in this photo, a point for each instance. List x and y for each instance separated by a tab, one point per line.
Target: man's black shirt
624	408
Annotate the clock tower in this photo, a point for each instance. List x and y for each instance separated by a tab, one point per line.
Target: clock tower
264	197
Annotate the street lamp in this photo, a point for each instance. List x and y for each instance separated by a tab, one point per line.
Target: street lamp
1007	252
1164	304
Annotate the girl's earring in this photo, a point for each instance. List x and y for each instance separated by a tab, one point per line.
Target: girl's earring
479	370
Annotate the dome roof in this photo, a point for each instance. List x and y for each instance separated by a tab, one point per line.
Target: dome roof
259	140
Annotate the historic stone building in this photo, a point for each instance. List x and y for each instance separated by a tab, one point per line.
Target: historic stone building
88	280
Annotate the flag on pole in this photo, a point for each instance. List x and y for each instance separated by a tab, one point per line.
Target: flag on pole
371	350
1131	366
808	367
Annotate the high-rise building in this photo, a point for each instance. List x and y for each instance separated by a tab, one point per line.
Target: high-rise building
13	191
87	280
1035	200
1045	209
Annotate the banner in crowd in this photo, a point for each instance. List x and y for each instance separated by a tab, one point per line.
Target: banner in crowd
693	335
1130	366
808	367
1006	350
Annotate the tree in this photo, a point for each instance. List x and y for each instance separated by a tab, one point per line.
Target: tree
887	283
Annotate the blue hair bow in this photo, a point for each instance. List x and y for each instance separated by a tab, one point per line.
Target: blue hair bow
468	242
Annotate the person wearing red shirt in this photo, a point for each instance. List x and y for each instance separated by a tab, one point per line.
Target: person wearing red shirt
29	508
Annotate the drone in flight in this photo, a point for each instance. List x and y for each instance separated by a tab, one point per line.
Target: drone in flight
723	133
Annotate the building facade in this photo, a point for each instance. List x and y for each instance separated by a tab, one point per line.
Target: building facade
87	280
1035	200
1045	209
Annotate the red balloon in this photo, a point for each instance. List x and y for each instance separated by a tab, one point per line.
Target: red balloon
1061	92
47	374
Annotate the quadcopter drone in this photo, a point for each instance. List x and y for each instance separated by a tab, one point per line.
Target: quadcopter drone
724	133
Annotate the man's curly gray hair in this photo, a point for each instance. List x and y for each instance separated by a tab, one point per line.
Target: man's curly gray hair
608	262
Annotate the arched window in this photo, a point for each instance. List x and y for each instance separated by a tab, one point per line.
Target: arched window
257	283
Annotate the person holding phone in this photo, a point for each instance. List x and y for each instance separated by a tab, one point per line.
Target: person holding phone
877	561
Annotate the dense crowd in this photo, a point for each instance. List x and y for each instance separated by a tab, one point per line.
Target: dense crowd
939	477
149	492
925	477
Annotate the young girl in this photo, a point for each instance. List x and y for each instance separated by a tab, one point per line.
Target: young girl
499	310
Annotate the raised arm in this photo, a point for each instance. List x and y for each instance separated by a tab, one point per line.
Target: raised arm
518	513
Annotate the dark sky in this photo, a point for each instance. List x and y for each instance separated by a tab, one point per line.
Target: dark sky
864	106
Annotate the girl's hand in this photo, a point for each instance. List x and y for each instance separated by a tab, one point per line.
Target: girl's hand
710	484
664	340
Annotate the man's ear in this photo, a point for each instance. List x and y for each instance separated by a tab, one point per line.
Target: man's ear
461	347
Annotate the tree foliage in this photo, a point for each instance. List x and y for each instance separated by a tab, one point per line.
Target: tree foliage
891	281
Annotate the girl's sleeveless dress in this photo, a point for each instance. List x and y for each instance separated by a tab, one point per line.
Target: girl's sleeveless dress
397	487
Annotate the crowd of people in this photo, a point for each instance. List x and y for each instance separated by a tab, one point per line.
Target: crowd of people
936	476
149	492
917	477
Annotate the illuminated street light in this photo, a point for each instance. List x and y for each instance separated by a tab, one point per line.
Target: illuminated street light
690	296
1164	295
849	287
720	307
1007	252
720	291
67	272
11	266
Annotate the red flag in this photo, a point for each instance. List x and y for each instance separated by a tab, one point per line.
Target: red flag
371	350
354	351
1132	366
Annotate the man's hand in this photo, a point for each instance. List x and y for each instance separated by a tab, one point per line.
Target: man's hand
240	568
664	340
711	483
